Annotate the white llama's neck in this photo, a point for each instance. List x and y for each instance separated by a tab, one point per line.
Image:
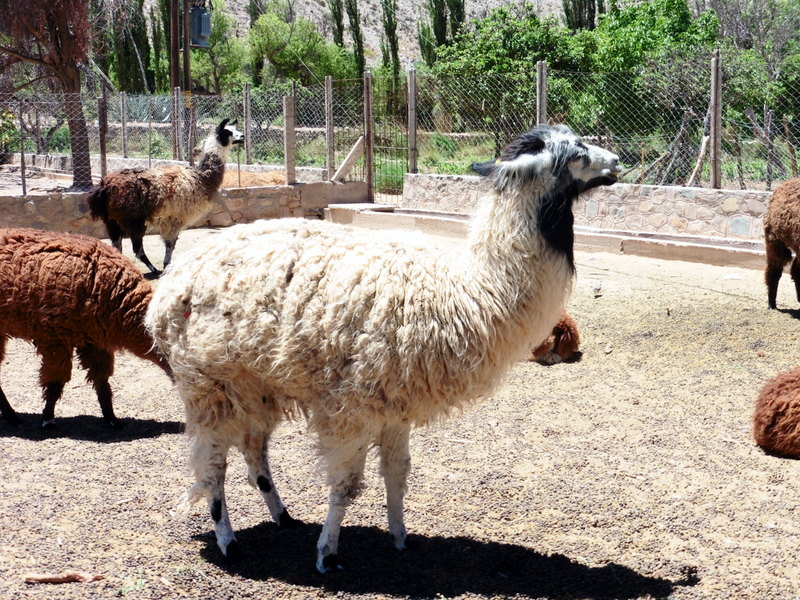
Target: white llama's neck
509	256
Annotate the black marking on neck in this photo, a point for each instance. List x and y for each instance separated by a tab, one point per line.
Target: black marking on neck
555	219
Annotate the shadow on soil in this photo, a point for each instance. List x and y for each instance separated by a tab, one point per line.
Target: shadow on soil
449	566
87	427
792	312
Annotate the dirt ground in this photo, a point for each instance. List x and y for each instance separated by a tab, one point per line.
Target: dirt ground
629	474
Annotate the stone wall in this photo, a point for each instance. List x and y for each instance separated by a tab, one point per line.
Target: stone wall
61	211
620	207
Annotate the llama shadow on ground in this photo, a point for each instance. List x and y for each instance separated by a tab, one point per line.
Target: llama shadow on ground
446	566
88	428
792	312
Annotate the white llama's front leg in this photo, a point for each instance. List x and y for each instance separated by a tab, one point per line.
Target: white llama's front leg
255	449
395	465
344	478
209	461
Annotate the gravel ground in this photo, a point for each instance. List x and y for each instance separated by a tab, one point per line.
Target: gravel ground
629	474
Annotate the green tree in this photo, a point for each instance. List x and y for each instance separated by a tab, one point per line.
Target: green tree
132	48
337	19
582	14
220	67
354	18
296	50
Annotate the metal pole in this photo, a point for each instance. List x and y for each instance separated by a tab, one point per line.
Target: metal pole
22	152
123	108
368	141
541	91
176	122
289	139
412	120
149	134
716	121
248	159
174	45
330	161
187	82
102	123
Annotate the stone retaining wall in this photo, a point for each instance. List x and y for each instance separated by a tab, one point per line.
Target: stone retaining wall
621	207
61	211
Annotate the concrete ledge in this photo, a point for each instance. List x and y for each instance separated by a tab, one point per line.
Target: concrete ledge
703	249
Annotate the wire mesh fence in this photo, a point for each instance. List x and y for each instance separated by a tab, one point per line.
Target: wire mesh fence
658	125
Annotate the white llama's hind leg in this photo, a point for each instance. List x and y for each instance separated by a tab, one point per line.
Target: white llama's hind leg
345	477
255	450
395	465
209	461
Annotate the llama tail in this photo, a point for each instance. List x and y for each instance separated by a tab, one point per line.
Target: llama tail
98	202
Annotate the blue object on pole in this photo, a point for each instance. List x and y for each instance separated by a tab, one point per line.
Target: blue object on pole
201	26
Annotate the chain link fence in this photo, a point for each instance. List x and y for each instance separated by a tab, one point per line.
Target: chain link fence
657	122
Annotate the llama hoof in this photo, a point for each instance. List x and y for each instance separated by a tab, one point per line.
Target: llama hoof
115	423
330	563
232	553
152	275
49	424
406	544
287	521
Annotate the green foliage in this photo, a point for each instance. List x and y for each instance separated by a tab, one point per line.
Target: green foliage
60	141
9	133
354	18
582	14
220	68
295	50
132	49
337	17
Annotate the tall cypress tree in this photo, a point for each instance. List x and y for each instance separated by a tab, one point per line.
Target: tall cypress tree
351	7
337	16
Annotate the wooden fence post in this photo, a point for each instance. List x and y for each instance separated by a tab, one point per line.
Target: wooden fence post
368	140
330	160
541	91
716	121
289	139
412	120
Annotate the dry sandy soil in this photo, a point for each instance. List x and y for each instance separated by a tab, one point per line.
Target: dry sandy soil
629	474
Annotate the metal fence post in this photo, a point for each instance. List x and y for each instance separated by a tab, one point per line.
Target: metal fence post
123	109
541	91
716	121
412	120
330	160
248	157
368	141
289	139
149	132
176	139
102	125
22	151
